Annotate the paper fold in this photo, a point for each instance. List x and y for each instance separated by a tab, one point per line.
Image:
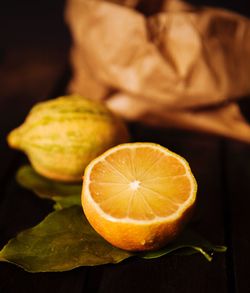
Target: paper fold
168	67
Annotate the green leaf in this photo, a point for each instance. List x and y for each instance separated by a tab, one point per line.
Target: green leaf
62	202
65	240
64	194
62	241
187	243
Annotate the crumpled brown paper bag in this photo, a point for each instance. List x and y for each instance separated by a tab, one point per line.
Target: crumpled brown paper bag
181	66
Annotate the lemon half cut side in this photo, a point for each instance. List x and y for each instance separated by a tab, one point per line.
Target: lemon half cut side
138	196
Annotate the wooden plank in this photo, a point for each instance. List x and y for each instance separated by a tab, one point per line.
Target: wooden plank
14	280
175	273
237	166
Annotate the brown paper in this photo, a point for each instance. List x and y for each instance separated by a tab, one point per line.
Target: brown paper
179	67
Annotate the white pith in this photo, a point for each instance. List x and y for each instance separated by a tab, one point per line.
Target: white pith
135	185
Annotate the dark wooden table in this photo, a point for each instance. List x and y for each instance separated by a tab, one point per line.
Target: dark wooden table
35	71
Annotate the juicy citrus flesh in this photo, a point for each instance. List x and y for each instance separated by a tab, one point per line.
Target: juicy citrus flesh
138	195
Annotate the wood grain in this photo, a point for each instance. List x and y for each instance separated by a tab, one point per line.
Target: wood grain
237	166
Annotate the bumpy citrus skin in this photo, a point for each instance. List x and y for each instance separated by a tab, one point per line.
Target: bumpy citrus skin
61	136
135	236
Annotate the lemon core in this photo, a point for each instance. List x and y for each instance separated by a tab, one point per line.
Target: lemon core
134	185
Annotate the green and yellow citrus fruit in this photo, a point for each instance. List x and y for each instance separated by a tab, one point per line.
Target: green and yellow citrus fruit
61	136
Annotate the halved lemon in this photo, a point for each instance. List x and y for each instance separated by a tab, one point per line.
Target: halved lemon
138	196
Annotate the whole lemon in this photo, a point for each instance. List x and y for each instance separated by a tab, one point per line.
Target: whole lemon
61	136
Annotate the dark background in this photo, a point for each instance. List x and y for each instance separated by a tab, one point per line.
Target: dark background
34	65
33	35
